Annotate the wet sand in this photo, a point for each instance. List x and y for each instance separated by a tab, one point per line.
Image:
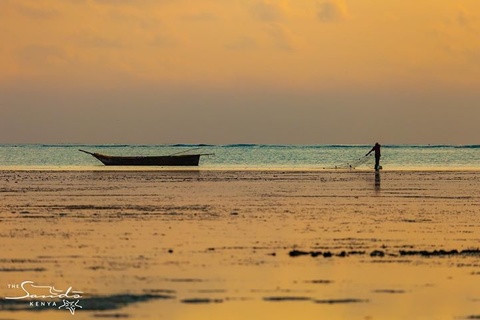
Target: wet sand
242	244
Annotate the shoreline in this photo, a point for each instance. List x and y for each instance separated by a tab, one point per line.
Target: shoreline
221	169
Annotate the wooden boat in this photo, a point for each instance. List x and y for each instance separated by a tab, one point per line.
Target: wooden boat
170	160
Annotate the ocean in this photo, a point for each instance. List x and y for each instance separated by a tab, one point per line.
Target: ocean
249	156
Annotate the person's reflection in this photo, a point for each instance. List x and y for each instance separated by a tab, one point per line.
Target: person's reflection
377	181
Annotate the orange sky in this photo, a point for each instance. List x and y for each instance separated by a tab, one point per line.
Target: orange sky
404	72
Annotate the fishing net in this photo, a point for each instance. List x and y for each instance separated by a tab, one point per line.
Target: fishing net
352	164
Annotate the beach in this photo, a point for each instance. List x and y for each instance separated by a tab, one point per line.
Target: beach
240	244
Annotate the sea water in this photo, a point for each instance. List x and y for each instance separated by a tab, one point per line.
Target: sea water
250	156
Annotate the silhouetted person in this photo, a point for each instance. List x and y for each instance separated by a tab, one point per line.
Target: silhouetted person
376	148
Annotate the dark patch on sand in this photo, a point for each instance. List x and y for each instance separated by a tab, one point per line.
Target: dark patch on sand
325	254
95	268
51	258
416	220
319	281
16	305
297	253
95	303
340	301
210	291
440	253
435	197
185	280
22	269
381	253
385	261
389	291
115	302
286	298
377	253
21	261
111	315
166	291
201	300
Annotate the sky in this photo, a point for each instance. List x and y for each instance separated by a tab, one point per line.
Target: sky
240	71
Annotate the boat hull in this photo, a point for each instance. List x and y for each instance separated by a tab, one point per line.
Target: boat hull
171	160
181	160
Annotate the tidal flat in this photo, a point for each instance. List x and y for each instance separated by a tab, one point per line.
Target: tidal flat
214	244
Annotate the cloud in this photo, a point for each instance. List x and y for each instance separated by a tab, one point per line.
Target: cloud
36	10
122	2
92	39
282	36
243	44
164	41
201	17
274	15
465	19
332	11
268	11
39	56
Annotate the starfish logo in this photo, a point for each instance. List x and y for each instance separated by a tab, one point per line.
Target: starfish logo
70	305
